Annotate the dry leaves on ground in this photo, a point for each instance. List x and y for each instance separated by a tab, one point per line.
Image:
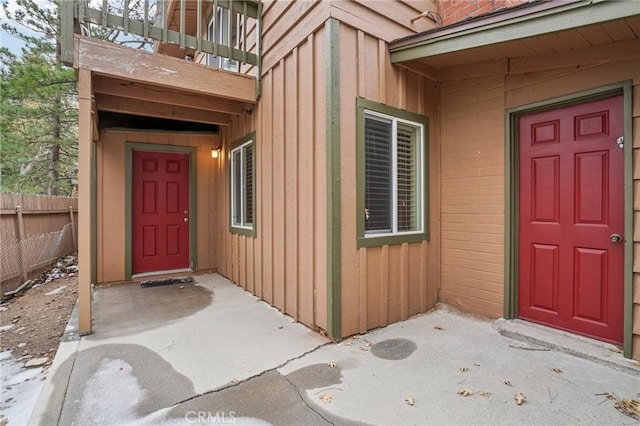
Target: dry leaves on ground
556	370
331	364
465	392
520	398
464	369
628	407
410	401
437	327
485	393
326	398
507	382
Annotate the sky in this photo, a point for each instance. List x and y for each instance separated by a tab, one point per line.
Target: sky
13	44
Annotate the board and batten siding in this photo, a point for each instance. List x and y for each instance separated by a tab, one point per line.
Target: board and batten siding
382	285
111	184
473	165
285	264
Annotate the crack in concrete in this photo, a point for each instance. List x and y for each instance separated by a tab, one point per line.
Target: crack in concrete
238	383
304	401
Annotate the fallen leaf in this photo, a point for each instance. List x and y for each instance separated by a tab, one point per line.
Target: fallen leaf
181	287
506	382
464	369
331	364
617	350
630	407
326	398
437	327
484	393
520	398
465	392
368	343
409	400
364	348
556	370
349	343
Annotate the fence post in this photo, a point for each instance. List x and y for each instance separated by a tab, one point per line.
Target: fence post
73	229
21	238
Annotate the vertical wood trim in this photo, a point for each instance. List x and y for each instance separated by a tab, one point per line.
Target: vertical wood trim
382	74
21	237
334	270
362	282
627	336
291	125
360	52
384	297
85	255
424	282
74	233
404	281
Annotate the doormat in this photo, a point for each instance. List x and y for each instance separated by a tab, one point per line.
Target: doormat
166	281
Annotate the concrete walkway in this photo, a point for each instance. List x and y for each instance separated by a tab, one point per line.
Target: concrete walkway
210	353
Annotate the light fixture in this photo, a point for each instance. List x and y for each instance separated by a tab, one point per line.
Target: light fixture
215	152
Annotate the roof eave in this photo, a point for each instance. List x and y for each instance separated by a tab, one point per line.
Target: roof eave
547	18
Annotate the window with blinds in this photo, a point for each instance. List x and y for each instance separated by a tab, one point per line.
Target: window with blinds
393	174
242	182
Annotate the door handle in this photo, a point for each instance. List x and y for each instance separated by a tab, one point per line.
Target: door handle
186	219
615	238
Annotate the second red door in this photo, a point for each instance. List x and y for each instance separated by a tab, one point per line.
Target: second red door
571	252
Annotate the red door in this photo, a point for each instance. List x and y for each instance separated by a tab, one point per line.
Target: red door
571	211
160	228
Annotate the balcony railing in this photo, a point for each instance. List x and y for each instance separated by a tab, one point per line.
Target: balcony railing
227	31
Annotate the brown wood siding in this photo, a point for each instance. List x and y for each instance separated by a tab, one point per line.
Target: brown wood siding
111	183
385	20
381	285
285	264
472	155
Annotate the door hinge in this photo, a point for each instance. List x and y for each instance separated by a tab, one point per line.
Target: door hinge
620	142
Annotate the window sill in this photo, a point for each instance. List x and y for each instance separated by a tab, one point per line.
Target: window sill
389	240
249	232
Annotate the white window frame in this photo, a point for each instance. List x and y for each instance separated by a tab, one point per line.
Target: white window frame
242	183
394	175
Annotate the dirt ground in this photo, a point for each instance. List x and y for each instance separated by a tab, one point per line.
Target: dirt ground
32	323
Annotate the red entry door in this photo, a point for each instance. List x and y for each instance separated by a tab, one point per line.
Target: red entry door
571	208
160	228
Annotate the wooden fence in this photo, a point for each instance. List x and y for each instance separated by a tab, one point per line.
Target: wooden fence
34	231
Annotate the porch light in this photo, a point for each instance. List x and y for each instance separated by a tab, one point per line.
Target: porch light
215	152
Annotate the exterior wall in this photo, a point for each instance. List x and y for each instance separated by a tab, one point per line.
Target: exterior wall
382	285
472	161
285	264
458	10
111	183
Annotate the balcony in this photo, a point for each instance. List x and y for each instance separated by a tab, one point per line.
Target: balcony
222	34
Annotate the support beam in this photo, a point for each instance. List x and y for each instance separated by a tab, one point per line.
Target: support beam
152	109
165	95
85	247
111	60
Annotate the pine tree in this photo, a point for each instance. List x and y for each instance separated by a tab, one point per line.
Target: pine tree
39	116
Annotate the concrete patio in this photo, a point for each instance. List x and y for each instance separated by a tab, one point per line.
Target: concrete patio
210	353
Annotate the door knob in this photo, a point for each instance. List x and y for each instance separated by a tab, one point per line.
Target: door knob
186	219
615	238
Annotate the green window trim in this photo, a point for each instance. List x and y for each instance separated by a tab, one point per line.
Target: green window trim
242	143
364	106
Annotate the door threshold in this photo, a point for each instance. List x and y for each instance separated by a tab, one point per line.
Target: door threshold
155	273
564	341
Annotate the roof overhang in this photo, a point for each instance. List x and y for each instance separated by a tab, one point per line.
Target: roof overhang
532	20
